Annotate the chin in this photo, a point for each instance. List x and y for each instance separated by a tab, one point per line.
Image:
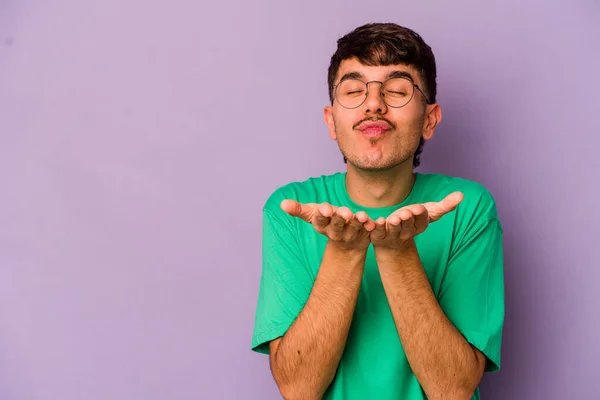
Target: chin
370	164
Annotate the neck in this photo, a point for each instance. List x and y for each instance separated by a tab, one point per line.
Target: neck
384	188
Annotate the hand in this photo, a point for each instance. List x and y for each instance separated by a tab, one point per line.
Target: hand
347	230
410	221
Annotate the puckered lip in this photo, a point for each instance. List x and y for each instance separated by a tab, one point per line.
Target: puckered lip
374	125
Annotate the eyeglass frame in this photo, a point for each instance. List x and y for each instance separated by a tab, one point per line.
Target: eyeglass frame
334	87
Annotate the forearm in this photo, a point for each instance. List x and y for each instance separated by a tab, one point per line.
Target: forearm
444	363
309	353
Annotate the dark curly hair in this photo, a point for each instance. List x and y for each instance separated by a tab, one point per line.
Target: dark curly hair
387	44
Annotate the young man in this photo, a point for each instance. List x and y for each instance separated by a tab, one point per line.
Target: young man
381	283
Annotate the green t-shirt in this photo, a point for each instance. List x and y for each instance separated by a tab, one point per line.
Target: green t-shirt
461	254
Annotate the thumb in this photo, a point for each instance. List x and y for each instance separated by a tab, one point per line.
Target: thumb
438	209
295	209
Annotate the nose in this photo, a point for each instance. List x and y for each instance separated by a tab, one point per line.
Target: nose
374	102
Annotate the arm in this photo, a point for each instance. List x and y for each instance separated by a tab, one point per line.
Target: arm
445	364
450	340
305	360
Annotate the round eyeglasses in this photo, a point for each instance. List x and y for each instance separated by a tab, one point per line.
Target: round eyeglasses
395	92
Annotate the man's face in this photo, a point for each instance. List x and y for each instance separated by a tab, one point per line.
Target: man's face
375	136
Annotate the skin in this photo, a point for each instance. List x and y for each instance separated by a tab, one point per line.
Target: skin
380	171
445	364
303	362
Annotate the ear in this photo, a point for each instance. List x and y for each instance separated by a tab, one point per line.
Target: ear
433	116
329	121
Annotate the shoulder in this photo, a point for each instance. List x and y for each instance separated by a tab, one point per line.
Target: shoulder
310	190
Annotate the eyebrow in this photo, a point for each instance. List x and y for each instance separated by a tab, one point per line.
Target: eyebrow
393	74
401	74
351	75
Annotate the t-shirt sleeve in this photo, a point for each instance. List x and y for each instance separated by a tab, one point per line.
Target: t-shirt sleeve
472	290
285	282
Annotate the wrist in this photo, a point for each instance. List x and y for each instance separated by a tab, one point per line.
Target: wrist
404	250
346	253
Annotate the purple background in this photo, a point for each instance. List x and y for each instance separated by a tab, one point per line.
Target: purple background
139	140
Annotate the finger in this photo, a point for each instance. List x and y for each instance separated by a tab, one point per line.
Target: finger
338	222
362	217
421	221
379	233
395	223
345	213
368	223
402	222
402	215
450	202
417	209
322	215
408	228
438	209
296	209
356	227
